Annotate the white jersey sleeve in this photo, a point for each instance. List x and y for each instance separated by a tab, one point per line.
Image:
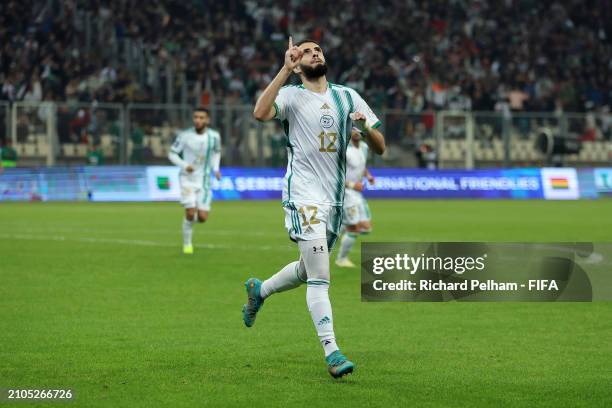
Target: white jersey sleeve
283	101
356	158
175	151
361	106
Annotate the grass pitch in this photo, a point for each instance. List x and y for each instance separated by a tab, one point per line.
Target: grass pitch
99	299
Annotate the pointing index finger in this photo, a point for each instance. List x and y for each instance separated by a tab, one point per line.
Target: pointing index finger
290	42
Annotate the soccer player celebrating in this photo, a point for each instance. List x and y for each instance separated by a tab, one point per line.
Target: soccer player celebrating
197	151
317	117
356	211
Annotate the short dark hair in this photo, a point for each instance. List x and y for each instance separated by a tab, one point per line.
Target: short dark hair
307	40
202	109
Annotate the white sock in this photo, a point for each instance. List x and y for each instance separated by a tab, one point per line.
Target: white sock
187	231
346	243
291	276
317	298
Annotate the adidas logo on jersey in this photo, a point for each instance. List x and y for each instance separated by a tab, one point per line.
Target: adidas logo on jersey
325	106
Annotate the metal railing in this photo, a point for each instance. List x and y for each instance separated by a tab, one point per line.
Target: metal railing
493	139
67	133
49	133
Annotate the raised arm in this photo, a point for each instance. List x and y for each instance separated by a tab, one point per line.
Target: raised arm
264	108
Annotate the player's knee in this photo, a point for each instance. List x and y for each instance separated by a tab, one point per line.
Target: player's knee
319	272
190	214
352	228
365	227
316	258
202	216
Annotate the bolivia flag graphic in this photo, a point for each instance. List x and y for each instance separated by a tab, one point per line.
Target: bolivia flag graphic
559	183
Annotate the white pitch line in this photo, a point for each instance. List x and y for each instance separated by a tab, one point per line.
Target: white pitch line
138	242
209	231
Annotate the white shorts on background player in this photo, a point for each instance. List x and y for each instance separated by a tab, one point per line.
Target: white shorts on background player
194	194
355	208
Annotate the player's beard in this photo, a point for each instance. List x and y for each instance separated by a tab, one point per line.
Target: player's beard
314	72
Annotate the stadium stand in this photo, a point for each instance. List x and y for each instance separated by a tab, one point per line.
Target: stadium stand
424	57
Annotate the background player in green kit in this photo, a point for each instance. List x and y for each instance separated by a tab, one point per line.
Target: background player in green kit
317	117
197	151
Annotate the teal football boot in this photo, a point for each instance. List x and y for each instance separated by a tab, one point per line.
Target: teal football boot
338	365
254	301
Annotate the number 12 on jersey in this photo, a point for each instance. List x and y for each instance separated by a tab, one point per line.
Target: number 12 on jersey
328	147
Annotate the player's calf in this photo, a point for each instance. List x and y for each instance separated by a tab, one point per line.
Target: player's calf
346	243
289	277
188	230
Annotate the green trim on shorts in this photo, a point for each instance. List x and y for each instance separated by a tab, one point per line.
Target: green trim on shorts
340	215
295	219
331	240
293	223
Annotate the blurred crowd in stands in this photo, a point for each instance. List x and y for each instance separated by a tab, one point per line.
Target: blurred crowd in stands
504	55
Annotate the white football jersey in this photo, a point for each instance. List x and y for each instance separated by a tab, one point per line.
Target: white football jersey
356	158
318	130
201	151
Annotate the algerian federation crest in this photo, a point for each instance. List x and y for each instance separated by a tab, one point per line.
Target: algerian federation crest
327	121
